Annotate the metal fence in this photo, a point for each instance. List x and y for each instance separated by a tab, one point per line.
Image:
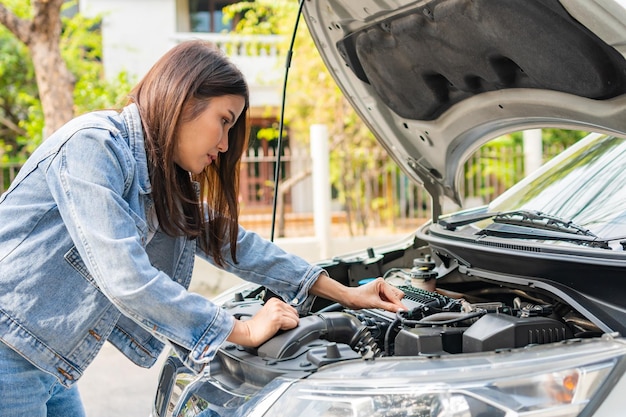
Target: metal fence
389	200
7	175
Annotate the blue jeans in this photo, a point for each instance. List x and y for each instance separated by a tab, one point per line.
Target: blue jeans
27	391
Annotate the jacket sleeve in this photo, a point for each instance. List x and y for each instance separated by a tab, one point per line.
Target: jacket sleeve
263	262
92	179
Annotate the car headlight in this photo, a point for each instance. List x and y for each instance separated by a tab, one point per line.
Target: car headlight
540	381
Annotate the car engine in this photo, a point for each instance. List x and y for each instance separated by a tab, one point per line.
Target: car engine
439	321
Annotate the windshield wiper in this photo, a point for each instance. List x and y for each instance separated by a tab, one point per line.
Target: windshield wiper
539	220
453	221
527	218
525	224
528	224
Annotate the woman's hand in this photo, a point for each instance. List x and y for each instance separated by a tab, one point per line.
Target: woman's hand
375	294
275	315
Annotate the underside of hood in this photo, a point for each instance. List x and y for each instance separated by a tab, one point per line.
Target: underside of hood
434	80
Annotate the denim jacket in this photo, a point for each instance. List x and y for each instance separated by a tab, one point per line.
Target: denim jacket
76	268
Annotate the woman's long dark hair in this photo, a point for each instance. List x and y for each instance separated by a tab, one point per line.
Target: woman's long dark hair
177	89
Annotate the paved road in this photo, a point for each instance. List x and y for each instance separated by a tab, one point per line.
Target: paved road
115	387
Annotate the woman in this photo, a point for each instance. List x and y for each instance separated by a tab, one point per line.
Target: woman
100	229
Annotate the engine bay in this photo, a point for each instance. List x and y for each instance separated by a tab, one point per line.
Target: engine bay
454	310
449	313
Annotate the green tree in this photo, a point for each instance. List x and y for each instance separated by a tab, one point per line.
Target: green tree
562	137
499	163
21	100
81	46
39	28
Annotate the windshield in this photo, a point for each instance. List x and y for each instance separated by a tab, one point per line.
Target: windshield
585	185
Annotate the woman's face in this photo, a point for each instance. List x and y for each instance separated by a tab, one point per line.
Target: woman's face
200	140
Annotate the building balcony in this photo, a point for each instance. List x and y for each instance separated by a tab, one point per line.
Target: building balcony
259	57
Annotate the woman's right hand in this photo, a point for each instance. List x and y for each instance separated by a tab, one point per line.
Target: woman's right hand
275	315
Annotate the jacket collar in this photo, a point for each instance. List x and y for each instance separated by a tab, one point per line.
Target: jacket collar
132	119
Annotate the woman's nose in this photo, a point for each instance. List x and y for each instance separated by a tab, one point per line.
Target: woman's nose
222	145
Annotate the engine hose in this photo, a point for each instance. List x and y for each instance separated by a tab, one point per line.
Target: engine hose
388	335
345	328
336	327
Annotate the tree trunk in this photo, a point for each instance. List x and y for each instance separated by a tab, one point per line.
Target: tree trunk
42	35
55	83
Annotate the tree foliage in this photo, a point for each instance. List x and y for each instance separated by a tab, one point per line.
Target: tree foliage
81	45
40	31
499	164
21	112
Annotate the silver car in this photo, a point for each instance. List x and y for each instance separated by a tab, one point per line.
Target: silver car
517	308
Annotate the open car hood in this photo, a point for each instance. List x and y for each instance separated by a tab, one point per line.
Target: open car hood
436	79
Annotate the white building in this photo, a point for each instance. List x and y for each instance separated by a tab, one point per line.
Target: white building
136	33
